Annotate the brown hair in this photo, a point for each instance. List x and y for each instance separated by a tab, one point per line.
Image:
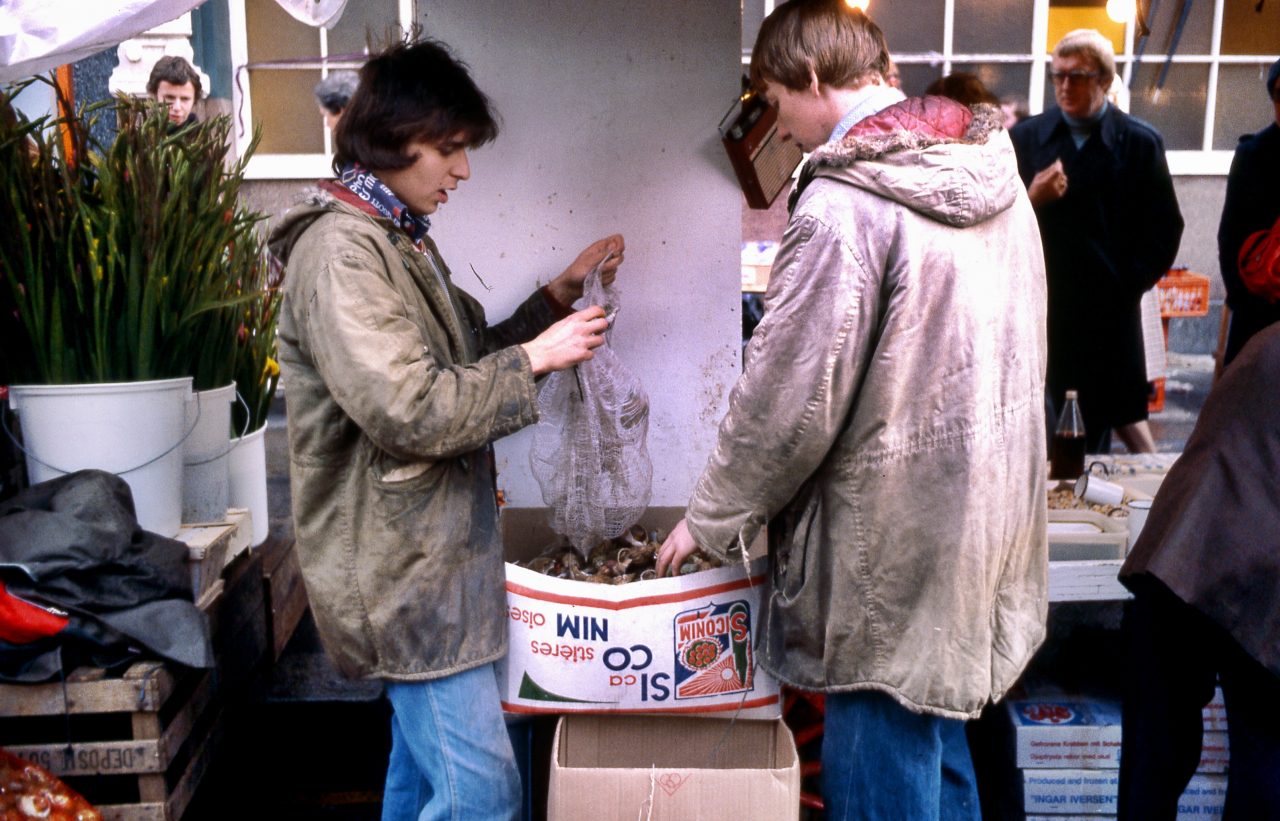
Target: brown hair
841	45
963	87
410	91
173	70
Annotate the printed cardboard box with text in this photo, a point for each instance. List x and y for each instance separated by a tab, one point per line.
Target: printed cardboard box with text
1096	792
1083	732
673	645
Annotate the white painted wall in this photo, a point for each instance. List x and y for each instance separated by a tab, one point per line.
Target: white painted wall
609	111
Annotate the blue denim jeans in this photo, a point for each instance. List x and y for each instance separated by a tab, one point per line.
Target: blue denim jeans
882	761
451	756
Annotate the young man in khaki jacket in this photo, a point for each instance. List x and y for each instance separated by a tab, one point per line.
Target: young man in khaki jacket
397	386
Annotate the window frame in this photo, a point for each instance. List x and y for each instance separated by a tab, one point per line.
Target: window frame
1205	161
284	166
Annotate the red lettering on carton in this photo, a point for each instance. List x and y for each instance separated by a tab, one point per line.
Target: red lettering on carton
569	652
529	617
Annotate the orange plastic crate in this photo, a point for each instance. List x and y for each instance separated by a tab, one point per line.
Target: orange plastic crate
1182	293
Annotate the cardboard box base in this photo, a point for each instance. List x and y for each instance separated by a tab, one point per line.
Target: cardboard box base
665	768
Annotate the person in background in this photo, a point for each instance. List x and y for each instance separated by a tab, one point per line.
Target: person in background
1205	574
963	87
1252	204
333	93
1110	224
1015	111
888	427
176	84
397	388
893	77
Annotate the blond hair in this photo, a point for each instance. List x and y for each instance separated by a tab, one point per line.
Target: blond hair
1093	45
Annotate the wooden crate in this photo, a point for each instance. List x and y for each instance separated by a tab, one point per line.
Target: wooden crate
286	597
134	744
213	545
238	622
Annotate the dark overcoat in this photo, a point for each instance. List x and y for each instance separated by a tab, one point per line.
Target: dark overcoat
1253	204
1106	242
1213	534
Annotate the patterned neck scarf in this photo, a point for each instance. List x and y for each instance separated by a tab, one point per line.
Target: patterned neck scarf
360	181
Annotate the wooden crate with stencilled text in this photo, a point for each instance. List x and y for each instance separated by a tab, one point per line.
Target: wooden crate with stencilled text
136	744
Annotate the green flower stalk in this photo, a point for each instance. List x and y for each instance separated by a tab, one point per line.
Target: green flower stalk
125	262
257	372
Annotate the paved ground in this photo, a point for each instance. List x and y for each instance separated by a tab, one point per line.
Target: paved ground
1186	386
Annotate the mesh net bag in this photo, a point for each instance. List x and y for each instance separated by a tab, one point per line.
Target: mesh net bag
589	453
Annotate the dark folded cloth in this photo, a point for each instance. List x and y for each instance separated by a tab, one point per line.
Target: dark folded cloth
81	582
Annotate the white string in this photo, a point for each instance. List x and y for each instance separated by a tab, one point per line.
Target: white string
648	802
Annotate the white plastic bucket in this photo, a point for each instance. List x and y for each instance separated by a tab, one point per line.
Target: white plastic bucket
247	464
132	429
205	493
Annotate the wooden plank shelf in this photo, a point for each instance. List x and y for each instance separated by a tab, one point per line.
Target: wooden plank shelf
145	686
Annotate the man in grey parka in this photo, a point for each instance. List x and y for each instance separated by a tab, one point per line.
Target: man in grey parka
888	428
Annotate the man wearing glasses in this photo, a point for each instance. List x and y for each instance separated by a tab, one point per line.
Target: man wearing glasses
1110	225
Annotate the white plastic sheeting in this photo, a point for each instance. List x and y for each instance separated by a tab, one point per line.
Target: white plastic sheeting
315	12
39	35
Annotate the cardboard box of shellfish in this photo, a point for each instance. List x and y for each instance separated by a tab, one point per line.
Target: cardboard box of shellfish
668	767
673	645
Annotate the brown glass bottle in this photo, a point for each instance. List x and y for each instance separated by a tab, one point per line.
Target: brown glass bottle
1066	457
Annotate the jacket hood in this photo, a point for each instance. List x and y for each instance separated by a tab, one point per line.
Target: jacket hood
314	203
952	163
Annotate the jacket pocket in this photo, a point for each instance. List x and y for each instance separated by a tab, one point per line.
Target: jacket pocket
402	491
790	534
392	475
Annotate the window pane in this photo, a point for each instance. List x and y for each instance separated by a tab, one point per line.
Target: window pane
274	35
909	27
1246	30
752	17
1197	34
1242	106
1179	112
1008	81
992	27
1069	15
368	21
915	77
284	106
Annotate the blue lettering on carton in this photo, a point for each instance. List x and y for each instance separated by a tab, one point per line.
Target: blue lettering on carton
587	628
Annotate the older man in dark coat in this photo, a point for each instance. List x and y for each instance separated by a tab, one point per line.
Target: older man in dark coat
1206	580
1110	225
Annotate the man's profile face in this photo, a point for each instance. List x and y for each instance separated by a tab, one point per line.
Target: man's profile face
178	98
425	184
1077	85
804	117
